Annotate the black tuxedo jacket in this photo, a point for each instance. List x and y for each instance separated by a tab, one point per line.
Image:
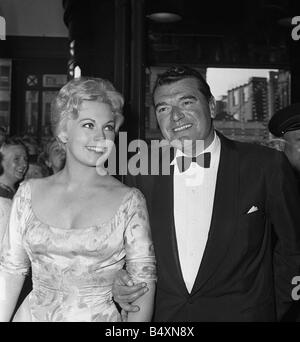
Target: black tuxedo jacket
250	259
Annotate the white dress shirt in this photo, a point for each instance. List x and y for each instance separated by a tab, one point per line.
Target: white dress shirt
194	192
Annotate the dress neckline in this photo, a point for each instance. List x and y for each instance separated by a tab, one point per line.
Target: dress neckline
6	191
96	225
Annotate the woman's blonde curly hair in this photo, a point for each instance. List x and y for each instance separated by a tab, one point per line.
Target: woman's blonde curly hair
66	104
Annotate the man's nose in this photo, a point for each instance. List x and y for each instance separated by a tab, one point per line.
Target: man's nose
177	114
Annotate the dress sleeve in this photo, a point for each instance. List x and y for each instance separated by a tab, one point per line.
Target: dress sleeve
140	258
13	256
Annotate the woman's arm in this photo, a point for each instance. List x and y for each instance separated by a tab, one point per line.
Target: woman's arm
146	303
10	288
140	258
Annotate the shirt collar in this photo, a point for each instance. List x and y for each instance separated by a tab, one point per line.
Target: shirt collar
212	148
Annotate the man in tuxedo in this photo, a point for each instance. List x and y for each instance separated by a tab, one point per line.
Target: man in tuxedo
226	230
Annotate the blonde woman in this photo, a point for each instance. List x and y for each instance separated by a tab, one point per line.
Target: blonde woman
77	228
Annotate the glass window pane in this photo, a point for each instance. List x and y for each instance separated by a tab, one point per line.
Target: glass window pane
5	89
54	81
31	112
246	99
46	116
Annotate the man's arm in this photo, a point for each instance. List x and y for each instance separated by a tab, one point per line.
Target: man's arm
146	304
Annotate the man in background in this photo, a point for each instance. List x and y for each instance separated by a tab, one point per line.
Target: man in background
285	124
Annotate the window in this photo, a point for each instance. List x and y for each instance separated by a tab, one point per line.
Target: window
5	90
247	99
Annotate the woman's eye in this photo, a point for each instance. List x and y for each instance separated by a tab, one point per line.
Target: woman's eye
88	125
109	128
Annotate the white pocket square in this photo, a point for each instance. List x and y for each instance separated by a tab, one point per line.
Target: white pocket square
252	210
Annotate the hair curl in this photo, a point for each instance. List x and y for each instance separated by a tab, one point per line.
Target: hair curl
66	104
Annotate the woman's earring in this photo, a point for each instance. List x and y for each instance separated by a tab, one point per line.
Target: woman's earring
62	137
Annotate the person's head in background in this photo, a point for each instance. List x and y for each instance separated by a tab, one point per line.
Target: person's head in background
36	170
86	116
285	124
184	106
54	156
14	162
32	147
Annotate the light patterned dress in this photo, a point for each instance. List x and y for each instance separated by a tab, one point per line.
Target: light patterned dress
73	270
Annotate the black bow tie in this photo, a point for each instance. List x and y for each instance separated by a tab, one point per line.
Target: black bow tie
203	160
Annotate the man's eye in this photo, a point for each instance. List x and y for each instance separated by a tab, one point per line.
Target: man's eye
188	102
88	125
162	110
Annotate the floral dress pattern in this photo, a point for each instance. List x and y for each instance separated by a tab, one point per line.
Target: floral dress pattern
73	269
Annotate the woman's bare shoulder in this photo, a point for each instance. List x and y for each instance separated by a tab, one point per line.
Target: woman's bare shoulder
118	187
40	186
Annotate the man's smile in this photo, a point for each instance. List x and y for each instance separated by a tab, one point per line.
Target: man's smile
182	128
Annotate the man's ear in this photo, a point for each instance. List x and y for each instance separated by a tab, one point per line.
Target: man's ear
212	107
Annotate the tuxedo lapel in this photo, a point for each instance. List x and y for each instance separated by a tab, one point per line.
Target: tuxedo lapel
224	215
163	224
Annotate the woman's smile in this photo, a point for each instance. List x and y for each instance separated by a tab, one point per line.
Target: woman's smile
97	149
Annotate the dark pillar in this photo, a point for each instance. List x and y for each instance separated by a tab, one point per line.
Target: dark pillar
109	43
137	99
91	25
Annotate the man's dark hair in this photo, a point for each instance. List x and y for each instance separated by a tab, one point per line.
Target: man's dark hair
177	73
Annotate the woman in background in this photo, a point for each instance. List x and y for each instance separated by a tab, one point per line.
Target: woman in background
13	166
78	227
54	156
